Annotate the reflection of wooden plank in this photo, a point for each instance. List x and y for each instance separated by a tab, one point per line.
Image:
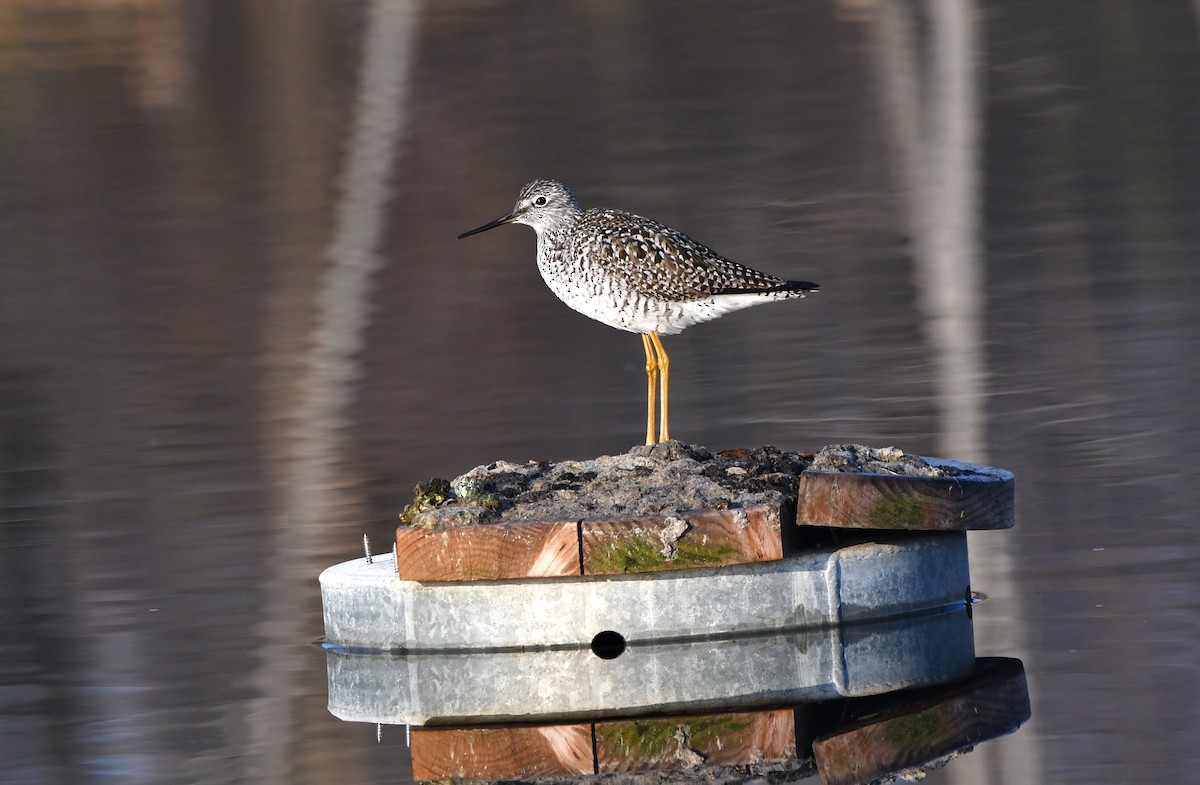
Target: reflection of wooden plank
682	742
702	538
904	731
887	501
538	549
501	753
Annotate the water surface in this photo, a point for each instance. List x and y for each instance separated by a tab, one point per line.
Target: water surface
236	328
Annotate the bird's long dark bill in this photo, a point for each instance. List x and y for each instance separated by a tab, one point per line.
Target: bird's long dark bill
504	219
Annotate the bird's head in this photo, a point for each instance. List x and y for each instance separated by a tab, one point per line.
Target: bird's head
545	205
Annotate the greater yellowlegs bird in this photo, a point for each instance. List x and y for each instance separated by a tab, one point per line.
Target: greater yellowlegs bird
636	274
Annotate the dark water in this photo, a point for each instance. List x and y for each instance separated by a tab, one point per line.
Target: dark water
236	328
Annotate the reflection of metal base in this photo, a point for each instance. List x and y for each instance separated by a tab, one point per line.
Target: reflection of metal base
367	606
742	672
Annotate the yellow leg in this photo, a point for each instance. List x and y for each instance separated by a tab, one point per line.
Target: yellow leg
651	379
664	372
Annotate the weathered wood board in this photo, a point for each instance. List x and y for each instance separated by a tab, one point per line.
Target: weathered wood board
904	732
708	538
872	737
519	549
978	499
502	752
683	742
658	743
592	546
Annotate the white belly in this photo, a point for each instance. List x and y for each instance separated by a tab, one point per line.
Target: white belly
601	300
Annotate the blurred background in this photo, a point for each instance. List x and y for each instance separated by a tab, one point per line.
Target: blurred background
236	328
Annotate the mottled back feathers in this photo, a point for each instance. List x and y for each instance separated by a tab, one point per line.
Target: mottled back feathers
664	263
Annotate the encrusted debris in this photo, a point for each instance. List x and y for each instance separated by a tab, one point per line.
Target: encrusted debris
670	535
667	478
918	773
857	459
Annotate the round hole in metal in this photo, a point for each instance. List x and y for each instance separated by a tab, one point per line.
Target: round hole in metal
608	645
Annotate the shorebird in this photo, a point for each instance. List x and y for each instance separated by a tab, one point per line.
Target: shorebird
637	275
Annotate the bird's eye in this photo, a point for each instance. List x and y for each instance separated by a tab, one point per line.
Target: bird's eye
540	201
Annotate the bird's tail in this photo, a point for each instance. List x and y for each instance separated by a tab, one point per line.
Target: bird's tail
792	288
784	288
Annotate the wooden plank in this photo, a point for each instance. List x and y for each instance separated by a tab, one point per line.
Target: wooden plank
703	538
889	501
501	752
491	551
610	546
727	739
904	732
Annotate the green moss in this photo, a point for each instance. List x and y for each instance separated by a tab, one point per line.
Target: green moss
634	553
473	507
915	732
428	494
656	738
901	512
694	554
488	501
644	738
626	554
704	734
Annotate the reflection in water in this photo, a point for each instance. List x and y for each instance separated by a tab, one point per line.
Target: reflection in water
930	70
741	671
757	701
928	91
312	436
